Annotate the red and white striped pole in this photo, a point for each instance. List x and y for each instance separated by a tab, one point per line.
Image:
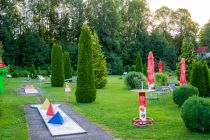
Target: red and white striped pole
142	108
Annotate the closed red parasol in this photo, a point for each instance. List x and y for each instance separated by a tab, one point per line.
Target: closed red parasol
150	69
182	75
160	66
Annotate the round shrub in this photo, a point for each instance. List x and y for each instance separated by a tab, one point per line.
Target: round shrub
195	113
134	79
183	92
161	79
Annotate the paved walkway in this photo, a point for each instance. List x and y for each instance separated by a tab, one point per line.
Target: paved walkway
38	130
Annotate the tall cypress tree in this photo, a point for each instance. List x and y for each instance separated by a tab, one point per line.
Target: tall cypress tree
86	91
99	64
206	77
139	66
57	73
187	52
198	78
67	65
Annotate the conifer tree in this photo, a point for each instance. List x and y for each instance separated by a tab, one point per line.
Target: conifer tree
99	63
139	66
33	72
206	77
145	70
198	78
86	91
187	52
57	72
67	65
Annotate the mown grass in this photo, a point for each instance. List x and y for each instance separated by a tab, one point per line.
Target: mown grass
113	111
13	121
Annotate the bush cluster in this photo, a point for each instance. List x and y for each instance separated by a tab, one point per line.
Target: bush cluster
196	113
161	79
134	80
183	92
16	71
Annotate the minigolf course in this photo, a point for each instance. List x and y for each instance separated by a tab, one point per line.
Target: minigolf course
56	120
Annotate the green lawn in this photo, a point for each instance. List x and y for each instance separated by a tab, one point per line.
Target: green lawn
113	111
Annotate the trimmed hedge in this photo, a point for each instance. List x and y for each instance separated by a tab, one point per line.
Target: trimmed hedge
183	92
161	79
195	113
134	79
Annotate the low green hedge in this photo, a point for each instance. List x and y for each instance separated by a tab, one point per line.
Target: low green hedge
183	92
161	79
195	113
134	80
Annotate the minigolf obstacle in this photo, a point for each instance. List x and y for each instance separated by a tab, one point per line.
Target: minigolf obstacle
46	104
30	89
51	110
59	123
56	119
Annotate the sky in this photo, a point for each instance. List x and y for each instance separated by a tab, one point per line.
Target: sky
199	9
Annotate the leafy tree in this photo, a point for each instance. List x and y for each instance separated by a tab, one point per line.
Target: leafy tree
135	22
104	18
185	28
205	35
99	63
67	65
30	42
187	52
139	65
57	72
86	91
161	49
164	19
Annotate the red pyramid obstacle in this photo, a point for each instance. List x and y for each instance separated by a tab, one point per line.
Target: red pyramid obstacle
51	110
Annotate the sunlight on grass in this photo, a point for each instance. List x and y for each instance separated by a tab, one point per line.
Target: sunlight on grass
113	111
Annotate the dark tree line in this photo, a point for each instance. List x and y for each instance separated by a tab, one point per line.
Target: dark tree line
124	27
